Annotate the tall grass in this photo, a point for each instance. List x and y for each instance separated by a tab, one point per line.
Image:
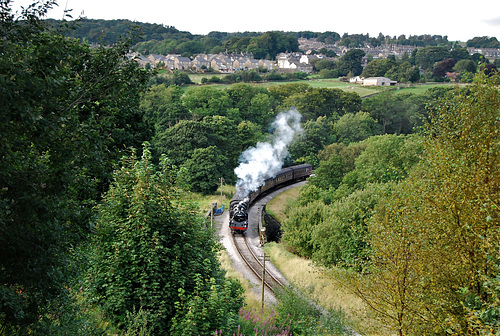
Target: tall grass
204	202
320	286
277	206
294	314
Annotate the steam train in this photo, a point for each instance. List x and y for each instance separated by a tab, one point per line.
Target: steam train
241	201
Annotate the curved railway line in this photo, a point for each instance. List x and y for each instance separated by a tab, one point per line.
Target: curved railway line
253	262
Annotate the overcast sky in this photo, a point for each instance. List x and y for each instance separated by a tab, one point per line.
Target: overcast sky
459	20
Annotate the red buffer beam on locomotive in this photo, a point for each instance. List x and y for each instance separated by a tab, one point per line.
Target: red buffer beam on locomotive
241	201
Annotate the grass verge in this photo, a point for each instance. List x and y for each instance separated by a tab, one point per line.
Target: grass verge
321	286
277	206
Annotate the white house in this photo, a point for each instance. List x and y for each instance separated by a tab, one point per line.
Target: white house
356	80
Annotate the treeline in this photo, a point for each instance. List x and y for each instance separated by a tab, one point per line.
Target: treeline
483	42
412	219
161	39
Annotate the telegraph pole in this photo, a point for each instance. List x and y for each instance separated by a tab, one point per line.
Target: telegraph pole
263	278
221	182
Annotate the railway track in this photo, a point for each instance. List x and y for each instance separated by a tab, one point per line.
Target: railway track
253	262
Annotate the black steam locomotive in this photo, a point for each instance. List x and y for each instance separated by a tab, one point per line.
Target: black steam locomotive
241	201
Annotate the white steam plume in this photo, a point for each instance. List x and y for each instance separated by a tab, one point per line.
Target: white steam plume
266	158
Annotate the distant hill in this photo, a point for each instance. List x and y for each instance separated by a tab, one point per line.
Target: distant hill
162	39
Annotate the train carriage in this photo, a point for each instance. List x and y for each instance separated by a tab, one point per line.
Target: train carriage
284	176
302	171
268	184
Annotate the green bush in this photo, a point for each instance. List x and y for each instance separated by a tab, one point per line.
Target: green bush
152	250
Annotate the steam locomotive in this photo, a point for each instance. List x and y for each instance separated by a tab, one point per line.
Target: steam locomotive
241	201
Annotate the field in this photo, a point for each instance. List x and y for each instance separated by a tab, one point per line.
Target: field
363	91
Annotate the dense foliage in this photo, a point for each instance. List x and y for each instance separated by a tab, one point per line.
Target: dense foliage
413	218
67	113
434	242
218	125
153	252
328	221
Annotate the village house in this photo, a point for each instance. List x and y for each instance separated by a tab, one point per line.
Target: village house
200	63
267	64
222	63
142	60
291	63
180	62
308	58
157	60
251	64
240	63
489	53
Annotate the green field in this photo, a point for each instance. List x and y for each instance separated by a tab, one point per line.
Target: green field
329	83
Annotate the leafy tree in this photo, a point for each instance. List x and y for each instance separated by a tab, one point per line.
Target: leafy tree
483	42
336	160
318	102
142	230
329	37
248	135
355	127
325	73
404	73
213	306
206	101
325	63
351	62
253	103
316	135
396	113
459	54
163	107
390	279
465	65
331	172
204	169
281	92
225	136
298	227
489	69
436	241
426	57
351	102
179	142
378	67
271	44
67	113
442	67
386	158
342	240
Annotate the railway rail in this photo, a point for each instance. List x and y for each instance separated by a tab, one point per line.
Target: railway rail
253	262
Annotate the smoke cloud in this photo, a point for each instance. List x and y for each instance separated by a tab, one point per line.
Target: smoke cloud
266	158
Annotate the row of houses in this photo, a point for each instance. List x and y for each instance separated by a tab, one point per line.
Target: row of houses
228	63
307	45
225	63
